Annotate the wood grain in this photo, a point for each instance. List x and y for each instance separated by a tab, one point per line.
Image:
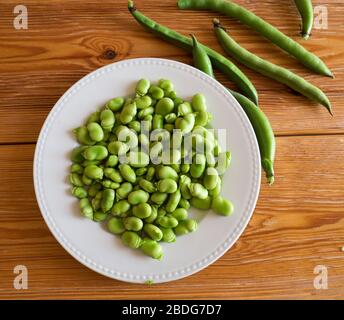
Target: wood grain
68	39
298	222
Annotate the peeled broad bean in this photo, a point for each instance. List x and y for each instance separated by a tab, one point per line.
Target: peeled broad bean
186	123
142	210
138	196
210	178
132	224
142	87
118	148
153	215
198	166
95	131
115	104
152	248
76	154
83	136
183	203
131	239
158	197
203	204
167	221
107	119
107	200
217	190
173	201
153	231
158	122
93	172
141	171
128	113
167	186
156	92
93	189
185	226
123	191
198	191
127	172
86	208
147	185
75	180
184	108
184	183
199	103
150	173
120	208
95	153
143	102
79	192
168	235
135	125
115	225
164	106
222	206
180	214
138	159
166	172
113	174
112	161
94	117
99	216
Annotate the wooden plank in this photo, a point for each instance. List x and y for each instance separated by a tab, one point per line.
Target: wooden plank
297	225
68	39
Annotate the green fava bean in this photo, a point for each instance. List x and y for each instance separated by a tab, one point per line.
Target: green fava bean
142	210
180	214
199	103
97	200
142	87
110	184
222	206
137	197
128	113
153	215
95	131
186	226
184	182
76	154
210	178
113	174
202	204
168	235
156	92
95	153
115	225
135	125
164	106
120	208
153	231
158	121
217	190
143	102
166	85
184	108
150	173
75	180
79	192
198	165
171	118
138	159
141	171
147	185
123	191
167	221
112	161
202	118
107	119
127	172
93	172
161	212
115	104
167	186
107	200
186	123
166	172
93	189
183	203
145	112
173	201
86	180
133	223
83	136
198	191
86	209
152	249
118	147
158	197
99	216
131	239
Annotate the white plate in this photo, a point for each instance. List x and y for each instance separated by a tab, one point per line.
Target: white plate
89	242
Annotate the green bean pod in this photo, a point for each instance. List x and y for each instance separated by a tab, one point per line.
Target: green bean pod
268	31
305	8
269	69
201	58
219	61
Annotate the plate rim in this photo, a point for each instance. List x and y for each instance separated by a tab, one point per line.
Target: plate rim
186	270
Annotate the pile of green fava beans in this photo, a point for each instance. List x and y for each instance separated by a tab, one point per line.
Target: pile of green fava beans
143	161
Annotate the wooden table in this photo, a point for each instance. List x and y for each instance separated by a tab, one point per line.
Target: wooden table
299	221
